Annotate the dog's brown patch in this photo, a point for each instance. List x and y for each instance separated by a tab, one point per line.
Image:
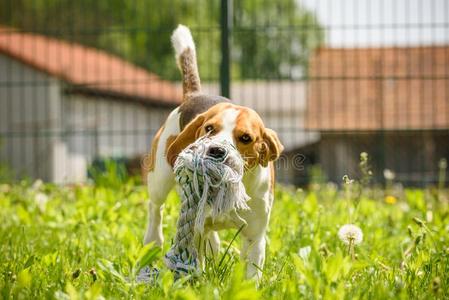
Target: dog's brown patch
272	179
170	141
264	146
195	105
148	165
195	129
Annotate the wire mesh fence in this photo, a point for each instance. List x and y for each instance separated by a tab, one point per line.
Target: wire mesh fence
85	81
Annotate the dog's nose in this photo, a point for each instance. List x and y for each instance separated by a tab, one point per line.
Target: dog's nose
216	152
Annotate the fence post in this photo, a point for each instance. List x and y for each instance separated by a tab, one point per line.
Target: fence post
225	25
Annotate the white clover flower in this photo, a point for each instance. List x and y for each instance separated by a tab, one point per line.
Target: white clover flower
442	164
364	156
304	252
389	175
37	184
347	180
350	234
41	200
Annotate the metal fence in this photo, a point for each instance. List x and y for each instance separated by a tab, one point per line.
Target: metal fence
84	81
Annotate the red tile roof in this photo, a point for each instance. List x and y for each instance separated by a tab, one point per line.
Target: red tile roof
379	88
87	69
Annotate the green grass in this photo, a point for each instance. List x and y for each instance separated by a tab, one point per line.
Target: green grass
85	242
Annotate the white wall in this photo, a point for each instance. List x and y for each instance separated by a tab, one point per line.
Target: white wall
47	134
29	119
99	127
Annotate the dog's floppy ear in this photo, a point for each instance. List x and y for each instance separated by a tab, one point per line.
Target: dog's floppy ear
190	133
270	147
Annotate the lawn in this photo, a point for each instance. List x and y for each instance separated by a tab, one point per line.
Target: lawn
84	242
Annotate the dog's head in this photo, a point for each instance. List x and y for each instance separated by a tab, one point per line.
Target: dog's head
237	125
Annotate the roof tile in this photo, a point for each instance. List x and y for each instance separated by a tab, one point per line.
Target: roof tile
87	67
379	88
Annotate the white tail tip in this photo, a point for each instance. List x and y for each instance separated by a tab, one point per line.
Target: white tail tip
182	39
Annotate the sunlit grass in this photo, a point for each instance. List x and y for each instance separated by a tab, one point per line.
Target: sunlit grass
85	242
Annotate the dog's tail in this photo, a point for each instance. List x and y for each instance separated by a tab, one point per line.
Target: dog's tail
186	59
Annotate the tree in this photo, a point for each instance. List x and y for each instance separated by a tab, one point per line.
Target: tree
271	39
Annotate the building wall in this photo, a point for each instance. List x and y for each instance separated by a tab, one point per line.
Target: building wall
413	156
47	134
29	119
104	128
396	88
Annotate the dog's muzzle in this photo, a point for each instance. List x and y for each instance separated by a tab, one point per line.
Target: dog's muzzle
209	174
217	152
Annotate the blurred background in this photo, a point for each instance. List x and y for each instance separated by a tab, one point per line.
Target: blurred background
86	82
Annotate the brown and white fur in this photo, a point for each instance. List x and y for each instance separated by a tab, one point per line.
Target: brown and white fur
241	126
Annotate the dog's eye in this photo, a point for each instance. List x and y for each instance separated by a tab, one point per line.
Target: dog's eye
209	128
246	139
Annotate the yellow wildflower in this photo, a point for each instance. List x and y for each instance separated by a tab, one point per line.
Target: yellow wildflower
390	199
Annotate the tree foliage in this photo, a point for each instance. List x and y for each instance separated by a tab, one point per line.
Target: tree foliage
271	39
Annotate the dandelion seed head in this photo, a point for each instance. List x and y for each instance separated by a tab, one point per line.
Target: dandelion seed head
37	184
442	164
347	180
389	175
364	156
350	233
41	200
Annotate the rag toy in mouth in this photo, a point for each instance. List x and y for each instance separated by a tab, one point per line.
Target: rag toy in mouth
209	175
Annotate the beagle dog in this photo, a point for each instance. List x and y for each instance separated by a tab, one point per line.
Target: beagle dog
201	114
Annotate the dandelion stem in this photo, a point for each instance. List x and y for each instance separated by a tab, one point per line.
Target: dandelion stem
351	248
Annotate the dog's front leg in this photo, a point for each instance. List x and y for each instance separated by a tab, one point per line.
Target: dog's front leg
160	183
208	246
254	253
254	241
